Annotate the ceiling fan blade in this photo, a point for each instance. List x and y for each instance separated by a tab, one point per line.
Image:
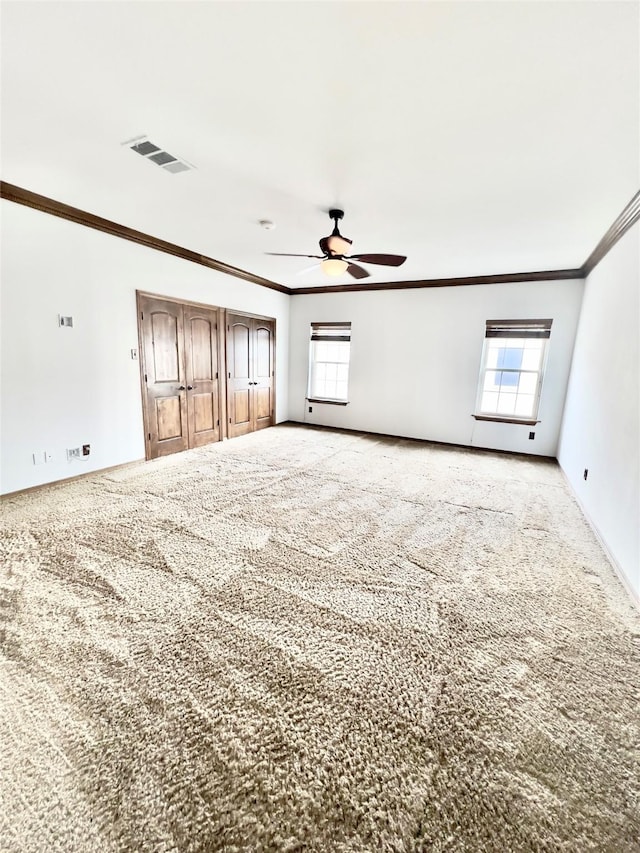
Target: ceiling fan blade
288	255
385	260
357	272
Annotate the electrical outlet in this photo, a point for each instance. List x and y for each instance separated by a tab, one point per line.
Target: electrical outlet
134	354
65	321
73	453
310	409
86	449
532	435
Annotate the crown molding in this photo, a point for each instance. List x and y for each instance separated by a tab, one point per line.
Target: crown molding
623	222
628	217
90	220
502	278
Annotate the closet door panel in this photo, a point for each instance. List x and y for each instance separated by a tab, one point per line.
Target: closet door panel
202	374
263	336
202	414
263	404
161	325
169	422
241	407
263	372
240	354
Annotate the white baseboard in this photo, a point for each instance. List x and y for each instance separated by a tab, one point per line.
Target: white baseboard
624	580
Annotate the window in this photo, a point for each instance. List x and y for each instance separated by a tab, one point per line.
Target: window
329	362
511	373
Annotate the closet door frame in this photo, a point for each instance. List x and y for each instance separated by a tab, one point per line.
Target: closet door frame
222	359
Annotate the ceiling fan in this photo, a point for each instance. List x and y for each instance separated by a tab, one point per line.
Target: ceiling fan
336	261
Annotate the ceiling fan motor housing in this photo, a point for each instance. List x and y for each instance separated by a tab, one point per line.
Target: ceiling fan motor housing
335	244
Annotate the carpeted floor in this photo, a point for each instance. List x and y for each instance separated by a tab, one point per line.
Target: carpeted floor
304	640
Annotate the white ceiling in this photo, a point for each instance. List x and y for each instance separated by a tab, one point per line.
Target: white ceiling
476	138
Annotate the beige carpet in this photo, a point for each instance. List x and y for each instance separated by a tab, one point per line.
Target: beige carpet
308	640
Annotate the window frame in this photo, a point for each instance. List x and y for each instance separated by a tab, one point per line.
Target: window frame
513	330
327	333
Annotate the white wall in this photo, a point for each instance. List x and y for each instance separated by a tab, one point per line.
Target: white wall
415	359
601	426
67	387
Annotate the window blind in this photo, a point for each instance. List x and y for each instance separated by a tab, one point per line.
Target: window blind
331	332
518	328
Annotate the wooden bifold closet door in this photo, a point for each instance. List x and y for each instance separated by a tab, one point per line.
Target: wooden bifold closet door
250	373
180	365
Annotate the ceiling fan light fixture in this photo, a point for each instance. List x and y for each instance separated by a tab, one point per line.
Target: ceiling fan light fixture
334	266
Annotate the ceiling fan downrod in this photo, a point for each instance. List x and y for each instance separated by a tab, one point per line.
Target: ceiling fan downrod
336	215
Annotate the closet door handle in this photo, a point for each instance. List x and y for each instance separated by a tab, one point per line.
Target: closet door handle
190	387
181	388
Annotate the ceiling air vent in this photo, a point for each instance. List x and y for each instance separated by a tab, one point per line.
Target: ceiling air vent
150	151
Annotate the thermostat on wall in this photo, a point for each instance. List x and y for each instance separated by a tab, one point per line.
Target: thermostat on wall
65	321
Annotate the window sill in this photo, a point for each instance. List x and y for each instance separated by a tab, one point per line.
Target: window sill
501	420
328	402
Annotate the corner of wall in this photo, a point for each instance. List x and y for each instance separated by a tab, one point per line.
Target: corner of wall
599	447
